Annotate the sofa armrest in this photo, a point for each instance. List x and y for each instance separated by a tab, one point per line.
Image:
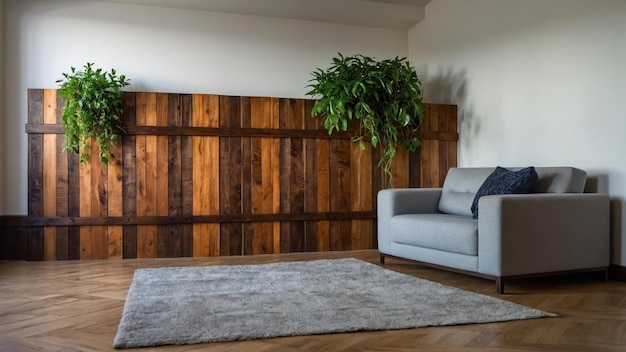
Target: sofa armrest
398	201
542	233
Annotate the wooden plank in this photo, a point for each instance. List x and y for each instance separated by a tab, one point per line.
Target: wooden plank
274	123
434	148
360	167
161	169
297	200
424	151
246	175
200	195
141	192
310	123
162	156
365	179
206	199
230	239
129	176
114	235
151	181
339	175
284	171
340	191
85	207
62	190
174	173
35	171
35	236
34	245
323	193
230	161
186	174
35	106
49	173
175	241
414	169
400	167
129	103
73	195
246	193
339	235
99	177
442	145
291	114
285	193
310	196
266	235
129	194
174	160
214	230
451	115
260	237
212	162
162	241
115	206
355	234
201	240
355	171
258	194
425	156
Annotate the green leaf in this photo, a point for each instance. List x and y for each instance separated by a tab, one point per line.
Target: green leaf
92	109
374	141
384	96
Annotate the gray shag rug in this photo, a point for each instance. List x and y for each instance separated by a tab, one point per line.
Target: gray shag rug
174	306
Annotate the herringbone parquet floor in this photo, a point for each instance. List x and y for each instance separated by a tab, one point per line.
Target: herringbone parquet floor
76	306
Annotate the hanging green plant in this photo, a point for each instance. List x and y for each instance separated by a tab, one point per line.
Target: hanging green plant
385	96
93	108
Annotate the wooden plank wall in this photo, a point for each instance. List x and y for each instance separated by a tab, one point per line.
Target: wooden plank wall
209	175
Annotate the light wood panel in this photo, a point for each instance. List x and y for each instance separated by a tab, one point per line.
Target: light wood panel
70	306
209	175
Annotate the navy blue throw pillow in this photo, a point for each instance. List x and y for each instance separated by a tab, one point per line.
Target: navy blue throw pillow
504	181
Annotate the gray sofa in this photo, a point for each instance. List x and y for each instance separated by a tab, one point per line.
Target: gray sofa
555	229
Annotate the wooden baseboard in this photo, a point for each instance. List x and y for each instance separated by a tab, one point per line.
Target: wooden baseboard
617	273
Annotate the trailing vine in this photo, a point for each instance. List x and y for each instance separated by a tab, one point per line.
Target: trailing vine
385	96
93	109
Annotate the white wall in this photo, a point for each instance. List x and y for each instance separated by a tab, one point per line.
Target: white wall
2	117
538	82
166	50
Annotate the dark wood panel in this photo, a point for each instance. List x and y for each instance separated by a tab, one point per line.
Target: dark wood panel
217	175
34	244
35	172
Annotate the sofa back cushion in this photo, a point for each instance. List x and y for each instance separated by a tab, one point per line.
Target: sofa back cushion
560	180
461	185
459	189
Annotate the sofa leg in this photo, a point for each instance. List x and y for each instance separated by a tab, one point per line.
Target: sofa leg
382	259
499	285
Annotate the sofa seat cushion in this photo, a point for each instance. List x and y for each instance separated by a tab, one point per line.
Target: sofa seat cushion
445	232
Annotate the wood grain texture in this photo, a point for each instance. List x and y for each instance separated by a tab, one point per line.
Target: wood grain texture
84	310
49	174
210	175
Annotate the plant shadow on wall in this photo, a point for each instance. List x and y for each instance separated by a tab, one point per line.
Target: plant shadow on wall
92	110
450	87
385	97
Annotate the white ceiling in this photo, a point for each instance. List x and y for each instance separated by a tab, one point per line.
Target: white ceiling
399	14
